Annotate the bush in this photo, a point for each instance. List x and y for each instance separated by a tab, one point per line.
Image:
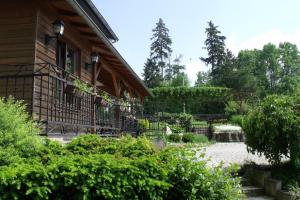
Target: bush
17	131
193	138
272	129
184	120
176	129
237	119
174	137
90	167
170	174
143	124
125	146
236	108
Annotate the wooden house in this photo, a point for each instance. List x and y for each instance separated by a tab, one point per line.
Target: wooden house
58	56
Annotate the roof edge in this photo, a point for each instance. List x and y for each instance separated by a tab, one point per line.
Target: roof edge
81	12
89	6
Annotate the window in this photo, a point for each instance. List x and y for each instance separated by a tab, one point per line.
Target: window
67	57
71	61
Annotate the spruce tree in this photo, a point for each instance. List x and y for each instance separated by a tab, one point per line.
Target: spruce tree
215	46
151	74
161	45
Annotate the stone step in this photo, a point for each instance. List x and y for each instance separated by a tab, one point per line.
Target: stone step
245	182
261	198
252	191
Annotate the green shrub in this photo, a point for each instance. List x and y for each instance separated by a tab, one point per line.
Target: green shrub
170	174
237	119
17	131
176	129
174	137
193	138
200	139
143	124
236	108
184	120
125	146
272	129
90	167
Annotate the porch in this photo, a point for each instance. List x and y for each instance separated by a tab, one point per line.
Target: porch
60	107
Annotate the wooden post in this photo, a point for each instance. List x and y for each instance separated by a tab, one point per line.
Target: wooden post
93	106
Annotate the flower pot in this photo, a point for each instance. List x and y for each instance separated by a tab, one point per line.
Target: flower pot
103	103
78	93
122	108
69	88
98	100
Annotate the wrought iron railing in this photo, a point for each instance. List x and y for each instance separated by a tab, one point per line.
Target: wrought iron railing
53	100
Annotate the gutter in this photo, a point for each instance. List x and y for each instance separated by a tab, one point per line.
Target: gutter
92	24
92	5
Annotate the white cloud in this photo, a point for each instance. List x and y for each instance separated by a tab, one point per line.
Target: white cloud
273	36
193	67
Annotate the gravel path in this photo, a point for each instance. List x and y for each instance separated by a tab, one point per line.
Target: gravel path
231	153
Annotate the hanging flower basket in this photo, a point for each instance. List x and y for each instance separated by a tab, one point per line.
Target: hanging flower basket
98	100
79	93
103	103
69	88
122	108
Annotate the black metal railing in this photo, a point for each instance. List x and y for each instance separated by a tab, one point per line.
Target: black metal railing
53	100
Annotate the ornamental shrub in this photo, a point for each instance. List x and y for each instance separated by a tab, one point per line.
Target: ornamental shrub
184	120
17	131
193	138
90	167
172	173
125	146
174	137
237	119
143	124
273	129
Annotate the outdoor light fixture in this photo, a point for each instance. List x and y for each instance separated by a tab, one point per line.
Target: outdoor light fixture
94	59
58	30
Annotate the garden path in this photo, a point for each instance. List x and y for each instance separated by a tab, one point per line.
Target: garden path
231	153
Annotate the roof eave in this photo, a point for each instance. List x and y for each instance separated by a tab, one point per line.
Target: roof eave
98	31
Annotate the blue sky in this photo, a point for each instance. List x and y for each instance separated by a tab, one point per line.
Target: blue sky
247	24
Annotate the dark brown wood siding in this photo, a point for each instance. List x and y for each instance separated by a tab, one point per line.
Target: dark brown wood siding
17	36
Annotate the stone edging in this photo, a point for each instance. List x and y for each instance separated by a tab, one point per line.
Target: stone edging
272	187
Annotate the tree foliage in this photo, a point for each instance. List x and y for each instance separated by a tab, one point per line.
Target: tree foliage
215	46
272	129
161	45
202	79
151	74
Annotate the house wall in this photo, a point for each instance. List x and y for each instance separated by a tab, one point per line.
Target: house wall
45	98
17	36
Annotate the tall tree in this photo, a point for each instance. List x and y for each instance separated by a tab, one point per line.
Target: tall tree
174	69
161	45
202	78
215	46
290	64
151	74
223	74
177	66
269	62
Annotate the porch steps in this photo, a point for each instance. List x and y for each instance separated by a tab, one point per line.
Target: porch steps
253	192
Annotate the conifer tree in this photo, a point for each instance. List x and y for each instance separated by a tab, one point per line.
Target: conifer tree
151	74
215	46
161	45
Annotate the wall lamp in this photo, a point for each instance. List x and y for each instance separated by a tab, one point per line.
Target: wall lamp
94	59
58	30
